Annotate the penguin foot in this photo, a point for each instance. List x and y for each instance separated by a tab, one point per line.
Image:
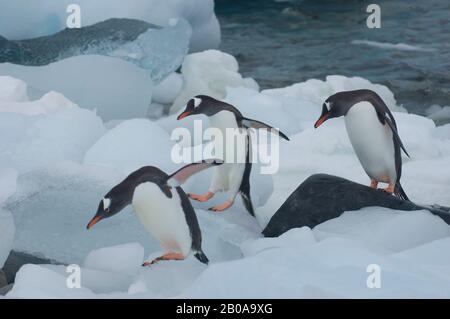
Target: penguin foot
201	198
222	207
373	183
390	189
169	256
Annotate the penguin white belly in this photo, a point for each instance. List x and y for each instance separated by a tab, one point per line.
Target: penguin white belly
229	175
163	217
372	141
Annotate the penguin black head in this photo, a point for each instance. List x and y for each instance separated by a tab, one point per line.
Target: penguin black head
203	104
338	104
108	207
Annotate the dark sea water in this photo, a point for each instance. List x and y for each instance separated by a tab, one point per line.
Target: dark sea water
283	42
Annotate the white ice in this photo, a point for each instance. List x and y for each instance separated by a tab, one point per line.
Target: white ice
114	88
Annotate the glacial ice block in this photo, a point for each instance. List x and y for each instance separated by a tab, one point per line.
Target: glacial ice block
114	88
23	19
158	50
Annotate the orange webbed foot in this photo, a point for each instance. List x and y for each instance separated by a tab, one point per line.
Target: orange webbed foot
201	198
168	256
222	207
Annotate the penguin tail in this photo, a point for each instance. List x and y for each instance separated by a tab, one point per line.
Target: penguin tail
247	202
200	255
399	192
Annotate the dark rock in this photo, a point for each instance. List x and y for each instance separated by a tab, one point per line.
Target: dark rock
322	197
17	259
3	281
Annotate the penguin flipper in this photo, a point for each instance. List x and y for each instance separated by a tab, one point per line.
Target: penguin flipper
385	116
249	123
244	189
182	175
396	136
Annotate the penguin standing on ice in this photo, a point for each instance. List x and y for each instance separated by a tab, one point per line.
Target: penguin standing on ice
162	207
373	133
233	177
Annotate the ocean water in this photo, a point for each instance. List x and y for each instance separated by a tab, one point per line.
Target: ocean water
281	42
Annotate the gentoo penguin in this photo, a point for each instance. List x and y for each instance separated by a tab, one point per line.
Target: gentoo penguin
373	133
232	177
162	207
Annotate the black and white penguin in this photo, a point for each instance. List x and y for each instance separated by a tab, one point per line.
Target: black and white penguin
373	133
162	207
233	177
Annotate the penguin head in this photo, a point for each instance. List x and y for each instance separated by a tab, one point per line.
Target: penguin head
108	206
201	104
331	108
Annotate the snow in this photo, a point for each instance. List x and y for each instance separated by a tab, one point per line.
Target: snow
48	17
76	158
317	91
210	73
114	88
438	113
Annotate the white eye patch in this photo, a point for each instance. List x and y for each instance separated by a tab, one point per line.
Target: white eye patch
197	101
106	203
328	105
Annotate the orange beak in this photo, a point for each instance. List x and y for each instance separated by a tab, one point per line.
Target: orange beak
94	221
322	119
183	115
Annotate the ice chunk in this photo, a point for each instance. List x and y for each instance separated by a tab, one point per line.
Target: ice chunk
167	91
115	88
12	90
157	50
48	17
131	145
7	230
8	183
39	282
209	73
29	142
126	258
384	230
